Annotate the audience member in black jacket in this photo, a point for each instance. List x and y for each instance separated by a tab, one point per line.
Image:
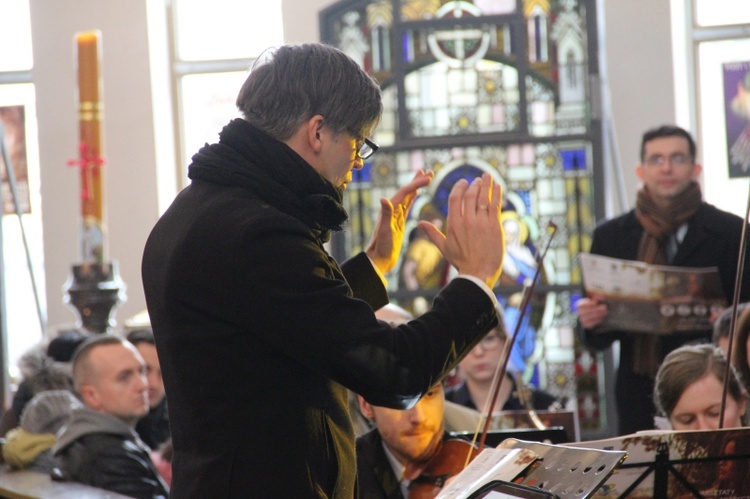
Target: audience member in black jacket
99	447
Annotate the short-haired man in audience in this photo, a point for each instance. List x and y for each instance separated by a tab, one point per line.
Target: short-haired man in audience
153	428
99	446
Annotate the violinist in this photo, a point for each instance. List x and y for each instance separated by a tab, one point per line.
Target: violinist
478	370
401	445
688	390
404	445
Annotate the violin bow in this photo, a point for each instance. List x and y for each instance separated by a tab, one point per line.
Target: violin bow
735	303
501	369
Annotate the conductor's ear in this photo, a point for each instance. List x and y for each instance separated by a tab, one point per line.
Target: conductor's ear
314	128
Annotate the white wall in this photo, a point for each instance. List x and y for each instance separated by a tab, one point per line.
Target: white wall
638	55
301	19
638	60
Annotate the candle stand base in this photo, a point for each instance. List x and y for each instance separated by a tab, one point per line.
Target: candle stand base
94	291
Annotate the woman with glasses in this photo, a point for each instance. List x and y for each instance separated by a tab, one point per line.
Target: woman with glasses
478	370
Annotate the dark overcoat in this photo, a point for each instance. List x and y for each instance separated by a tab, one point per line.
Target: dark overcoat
259	332
375	476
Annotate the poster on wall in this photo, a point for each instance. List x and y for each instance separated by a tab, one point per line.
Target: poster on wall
737	111
13	144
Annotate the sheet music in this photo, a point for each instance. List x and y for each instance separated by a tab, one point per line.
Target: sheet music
490	464
714	462
655	299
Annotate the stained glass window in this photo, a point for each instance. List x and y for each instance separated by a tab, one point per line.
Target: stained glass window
488	86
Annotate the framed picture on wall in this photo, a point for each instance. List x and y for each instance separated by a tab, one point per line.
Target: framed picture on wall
737	110
13	146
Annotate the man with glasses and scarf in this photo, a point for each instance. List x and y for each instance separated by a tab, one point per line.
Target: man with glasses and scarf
259	331
670	225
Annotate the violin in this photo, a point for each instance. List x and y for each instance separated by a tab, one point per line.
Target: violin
454	454
450	459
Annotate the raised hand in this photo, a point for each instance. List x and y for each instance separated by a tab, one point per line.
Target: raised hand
473	242
388	237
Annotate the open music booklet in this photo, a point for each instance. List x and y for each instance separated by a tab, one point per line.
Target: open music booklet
490	464
653	298
534	469
710	463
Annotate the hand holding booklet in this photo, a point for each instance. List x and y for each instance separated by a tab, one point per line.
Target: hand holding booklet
653	298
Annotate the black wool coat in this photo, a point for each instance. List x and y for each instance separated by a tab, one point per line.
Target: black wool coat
259	331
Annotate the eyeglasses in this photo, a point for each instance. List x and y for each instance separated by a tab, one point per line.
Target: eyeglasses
677	159
491	342
367	149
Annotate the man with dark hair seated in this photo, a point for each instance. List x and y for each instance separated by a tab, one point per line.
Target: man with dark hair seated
153	428
99	446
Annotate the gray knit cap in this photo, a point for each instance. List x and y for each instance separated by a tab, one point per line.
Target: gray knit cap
48	411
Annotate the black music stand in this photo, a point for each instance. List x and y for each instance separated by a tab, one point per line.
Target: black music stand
663	467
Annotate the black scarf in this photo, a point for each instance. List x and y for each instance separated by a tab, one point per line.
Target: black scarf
247	157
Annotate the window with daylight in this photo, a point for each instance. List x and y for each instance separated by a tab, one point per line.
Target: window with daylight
712	82
24	309
488	86
208	75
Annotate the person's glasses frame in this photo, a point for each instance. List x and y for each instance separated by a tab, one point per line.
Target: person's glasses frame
367	148
491	342
677	160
